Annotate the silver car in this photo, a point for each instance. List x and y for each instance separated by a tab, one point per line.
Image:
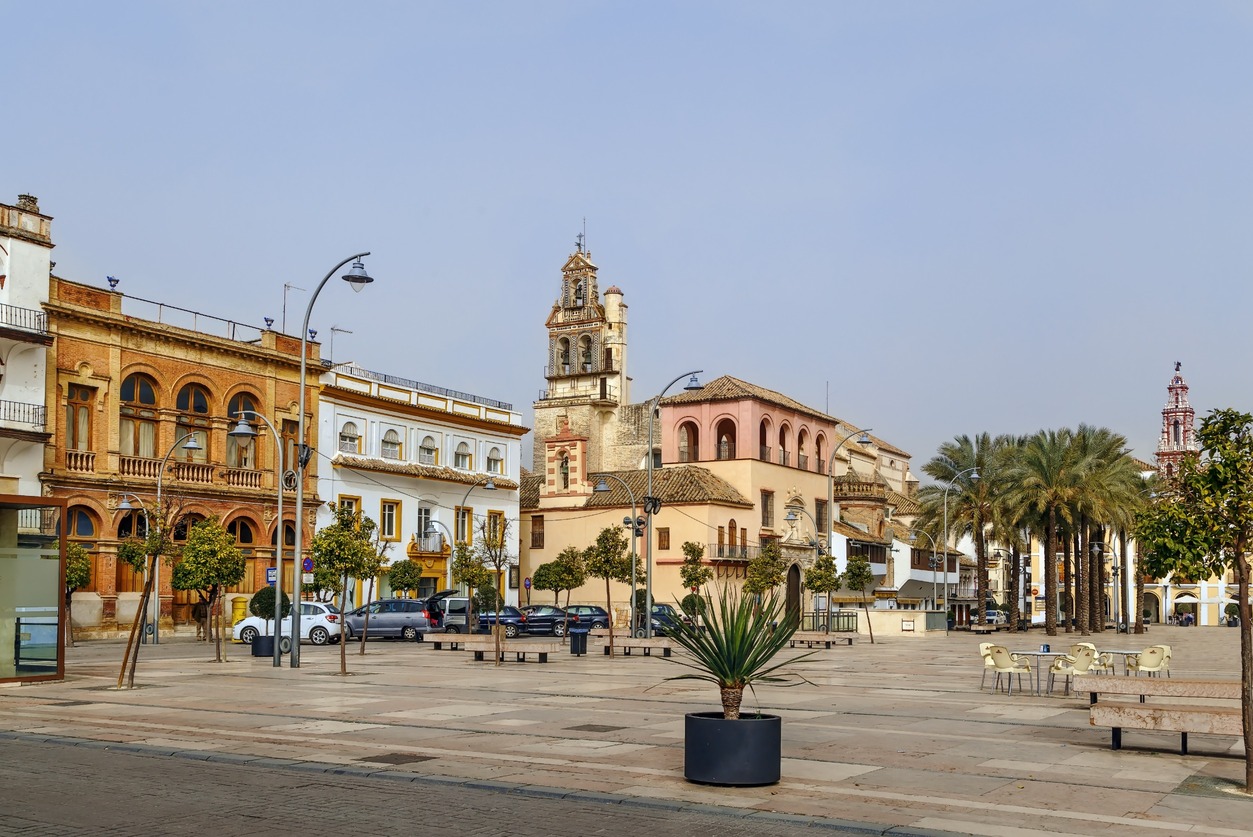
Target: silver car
403	618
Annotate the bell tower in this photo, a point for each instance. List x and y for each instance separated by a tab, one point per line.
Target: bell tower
1178	439
586	367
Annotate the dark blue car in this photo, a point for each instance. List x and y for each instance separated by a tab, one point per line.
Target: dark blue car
512	619
546	619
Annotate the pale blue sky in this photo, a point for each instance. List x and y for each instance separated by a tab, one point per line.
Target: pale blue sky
963	216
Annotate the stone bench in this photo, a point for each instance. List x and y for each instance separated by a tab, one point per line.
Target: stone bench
484	645
813	639
1183	718
627	644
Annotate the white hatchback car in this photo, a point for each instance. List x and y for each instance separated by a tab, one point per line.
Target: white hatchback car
319	623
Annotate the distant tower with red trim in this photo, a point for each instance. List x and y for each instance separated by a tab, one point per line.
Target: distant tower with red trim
1178	439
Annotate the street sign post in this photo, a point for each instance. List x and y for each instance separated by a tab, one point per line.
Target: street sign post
271	576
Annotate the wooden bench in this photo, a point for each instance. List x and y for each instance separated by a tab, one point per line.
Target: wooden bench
482	646
1183	718
811	639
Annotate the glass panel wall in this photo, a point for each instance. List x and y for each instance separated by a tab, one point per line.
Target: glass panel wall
32	589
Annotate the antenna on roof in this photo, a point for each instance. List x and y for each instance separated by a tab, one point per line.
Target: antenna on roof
584	239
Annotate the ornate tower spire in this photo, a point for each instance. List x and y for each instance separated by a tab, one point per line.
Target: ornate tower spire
1178	439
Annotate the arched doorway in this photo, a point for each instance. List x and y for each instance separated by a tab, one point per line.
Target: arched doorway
793	603
1153	608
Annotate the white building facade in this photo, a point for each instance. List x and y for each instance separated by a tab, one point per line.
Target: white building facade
430	466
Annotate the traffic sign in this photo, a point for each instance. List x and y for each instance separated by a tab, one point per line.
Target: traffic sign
308	565
307	578
271	575
526	582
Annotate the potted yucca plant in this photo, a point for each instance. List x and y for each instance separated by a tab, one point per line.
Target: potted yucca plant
735	649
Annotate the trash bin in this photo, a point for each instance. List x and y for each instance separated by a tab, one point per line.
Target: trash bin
262	646
578	641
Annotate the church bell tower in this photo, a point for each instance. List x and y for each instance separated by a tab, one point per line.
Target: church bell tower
1178	439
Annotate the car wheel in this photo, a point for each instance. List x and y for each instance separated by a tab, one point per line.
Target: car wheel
559	629
284	645
639	633
598	626
452	629
247	635
511	631
410	633
319	635
347	631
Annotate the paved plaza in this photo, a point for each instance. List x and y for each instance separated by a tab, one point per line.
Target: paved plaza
895	737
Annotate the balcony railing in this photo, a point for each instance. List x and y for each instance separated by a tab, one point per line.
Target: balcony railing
726	450
137	466
20	412
80	461
198	472
764	453
25	319
802	462
243	478
429	545
728	552
785	457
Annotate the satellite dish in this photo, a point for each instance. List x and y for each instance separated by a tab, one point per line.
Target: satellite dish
289	480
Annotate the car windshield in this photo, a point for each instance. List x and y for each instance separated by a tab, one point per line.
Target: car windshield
332	608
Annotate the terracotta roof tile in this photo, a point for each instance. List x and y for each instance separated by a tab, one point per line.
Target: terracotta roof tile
413	469
674	485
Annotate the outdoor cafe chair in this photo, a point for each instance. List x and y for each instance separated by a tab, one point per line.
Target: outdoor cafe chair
1151	661
988	665
1005	663
1084	659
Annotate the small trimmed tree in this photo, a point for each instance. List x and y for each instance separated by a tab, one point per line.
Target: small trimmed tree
405	576
344	548
547	577
468	570
370	571
857	576
823	578
607	558
765	571
210	561
262	605
77	576
694	574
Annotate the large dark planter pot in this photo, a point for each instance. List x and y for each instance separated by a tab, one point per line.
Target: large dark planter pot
263	646
748	751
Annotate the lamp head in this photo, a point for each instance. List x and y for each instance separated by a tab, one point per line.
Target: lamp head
790	516
269	321
191	444
601	487
489	485
125	505
693	384
357	277
112	283
865	439
242	430
313	334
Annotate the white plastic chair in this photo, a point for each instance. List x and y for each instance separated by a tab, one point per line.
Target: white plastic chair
1151	661
1084	658
988	665
1005	663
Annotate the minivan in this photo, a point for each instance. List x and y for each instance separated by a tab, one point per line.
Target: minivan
448	611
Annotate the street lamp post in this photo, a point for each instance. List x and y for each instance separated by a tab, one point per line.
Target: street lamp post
863	441
934	564
245	434
791	517
1026	587
1098	548
125	505
636	524
651	504
430	532
974	475
192	444
487	486
358	278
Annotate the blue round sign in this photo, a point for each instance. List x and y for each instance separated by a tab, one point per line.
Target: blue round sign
308	565
526	582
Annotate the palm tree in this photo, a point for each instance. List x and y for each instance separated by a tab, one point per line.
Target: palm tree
971	499
1044	481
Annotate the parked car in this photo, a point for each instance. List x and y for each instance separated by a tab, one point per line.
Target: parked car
319	623
509	616
665	616
996	617
545	619
588	616
448	611
404	618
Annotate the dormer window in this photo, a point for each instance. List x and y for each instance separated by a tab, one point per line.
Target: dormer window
391	445
462	458
427	453
495	464
349	438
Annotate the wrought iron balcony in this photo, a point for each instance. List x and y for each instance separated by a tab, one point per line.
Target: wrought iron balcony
23	319
20	412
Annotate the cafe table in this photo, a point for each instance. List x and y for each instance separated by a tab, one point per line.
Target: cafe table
1039	657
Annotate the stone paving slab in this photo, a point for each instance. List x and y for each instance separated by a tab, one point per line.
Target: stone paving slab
891	734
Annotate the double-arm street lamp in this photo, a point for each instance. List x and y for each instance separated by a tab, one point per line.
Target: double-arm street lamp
974	475
125	505
636	524
358	279
1098	548
244	433
864	441
651	503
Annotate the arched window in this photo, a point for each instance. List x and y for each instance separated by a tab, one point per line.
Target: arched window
428	454
763	441
689	442
784	446
183	527
585	353
565	471
391	445
349	438
463	458
242	453
578	293
79	401
242	531
563	354
132	524
80	527
1178	433
138	417
820	451
495	462
193	420
726	439
802	450
731	530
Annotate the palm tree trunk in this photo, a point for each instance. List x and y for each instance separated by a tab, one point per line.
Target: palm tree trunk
1140	594
1015	574
981	572
1083	578
1068	585
1050	573
732	697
